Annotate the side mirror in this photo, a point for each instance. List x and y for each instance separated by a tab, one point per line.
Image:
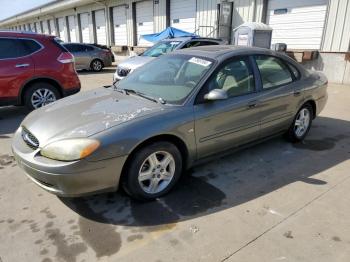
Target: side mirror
216	94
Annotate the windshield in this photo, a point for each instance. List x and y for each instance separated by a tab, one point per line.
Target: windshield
161	48
168	78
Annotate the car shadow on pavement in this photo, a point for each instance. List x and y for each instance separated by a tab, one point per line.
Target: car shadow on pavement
228	181
10	118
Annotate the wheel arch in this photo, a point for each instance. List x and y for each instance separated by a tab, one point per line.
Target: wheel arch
178	142
30	82
313	105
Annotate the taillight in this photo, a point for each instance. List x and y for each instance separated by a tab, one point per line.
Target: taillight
65	58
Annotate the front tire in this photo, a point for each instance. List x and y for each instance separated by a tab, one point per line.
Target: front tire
153	171
40	94
96	65
301	124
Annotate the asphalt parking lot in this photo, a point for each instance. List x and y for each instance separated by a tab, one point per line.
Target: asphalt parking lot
272	202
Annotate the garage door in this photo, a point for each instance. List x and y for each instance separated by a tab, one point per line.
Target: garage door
100	22
32	27
52	27
62	29
119	25
297	23
144	20
85	29
72	29
183	15
38	27
45	27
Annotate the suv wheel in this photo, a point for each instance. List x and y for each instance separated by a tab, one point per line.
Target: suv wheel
301	124
40	94
96	65
153	171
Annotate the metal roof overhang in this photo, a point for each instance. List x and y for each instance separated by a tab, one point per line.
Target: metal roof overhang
49	8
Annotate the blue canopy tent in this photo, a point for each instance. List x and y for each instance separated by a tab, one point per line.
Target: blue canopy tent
169	32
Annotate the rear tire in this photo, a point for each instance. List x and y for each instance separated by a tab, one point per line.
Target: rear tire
301	124
96	65
40	94
153	171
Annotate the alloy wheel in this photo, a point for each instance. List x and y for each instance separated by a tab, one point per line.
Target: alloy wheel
97	65
42	97
302	122
156	172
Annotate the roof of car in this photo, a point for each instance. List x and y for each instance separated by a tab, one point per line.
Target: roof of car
217	51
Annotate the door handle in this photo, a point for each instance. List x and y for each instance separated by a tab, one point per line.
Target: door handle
297	93
252	104
22	65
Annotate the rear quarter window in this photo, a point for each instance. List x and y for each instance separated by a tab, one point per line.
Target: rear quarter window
28	46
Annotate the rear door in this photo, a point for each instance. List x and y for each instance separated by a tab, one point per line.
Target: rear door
16	65
224	124
279	96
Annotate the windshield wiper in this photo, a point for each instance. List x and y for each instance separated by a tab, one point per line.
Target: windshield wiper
115	87
132	91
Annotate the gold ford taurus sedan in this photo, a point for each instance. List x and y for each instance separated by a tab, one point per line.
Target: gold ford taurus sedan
181	108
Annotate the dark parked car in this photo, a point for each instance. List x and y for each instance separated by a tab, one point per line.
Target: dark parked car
34	70
161	48
89	57
180	109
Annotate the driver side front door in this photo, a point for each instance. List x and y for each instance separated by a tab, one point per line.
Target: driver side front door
225	124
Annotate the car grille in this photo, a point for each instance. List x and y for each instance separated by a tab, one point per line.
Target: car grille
29	138
123	71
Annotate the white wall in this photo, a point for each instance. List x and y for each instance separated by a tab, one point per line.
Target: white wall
337	30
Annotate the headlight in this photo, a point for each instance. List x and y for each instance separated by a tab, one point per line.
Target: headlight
70	149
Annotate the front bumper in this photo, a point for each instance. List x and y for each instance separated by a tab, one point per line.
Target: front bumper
68	179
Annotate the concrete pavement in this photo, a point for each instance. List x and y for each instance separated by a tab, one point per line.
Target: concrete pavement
272	202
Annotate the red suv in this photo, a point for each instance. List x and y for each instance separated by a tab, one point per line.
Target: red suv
34	70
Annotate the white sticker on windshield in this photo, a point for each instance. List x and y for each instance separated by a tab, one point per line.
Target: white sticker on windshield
174	43
199	61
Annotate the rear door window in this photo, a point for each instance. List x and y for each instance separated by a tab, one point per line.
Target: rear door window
8	48
14	48
89	48
273	71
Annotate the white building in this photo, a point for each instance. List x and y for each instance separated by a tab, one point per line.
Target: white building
322	25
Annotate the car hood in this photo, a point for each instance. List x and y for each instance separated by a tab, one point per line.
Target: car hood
135	62
86	114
